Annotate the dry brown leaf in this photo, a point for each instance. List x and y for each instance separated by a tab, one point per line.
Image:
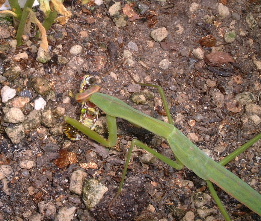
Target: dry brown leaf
208	41
44	42
65	159
224	2
8	12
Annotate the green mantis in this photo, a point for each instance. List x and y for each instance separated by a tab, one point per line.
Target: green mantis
185	151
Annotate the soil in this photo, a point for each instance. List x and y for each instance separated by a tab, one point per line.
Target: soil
214	100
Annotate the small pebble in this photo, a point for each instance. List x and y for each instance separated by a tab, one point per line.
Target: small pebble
257	63
98	2
66	214
198	53
27	164
76	49
234	106
193	137
229	37
39	104
194	7
133	46
223	11
41	85
35	217
164	64
115	8
4	32
159	34
20	56
143	8
48	119
15	133
14	115
7	93
5	170
20	102
138	98
256	119
76	181
48	209
93	192
120	21
253	109
190	216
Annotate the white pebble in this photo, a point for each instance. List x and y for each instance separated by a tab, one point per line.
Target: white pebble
7	93
39	104
76	49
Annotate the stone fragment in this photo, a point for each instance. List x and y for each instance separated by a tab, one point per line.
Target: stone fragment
14	115
16	133
198	53
223	11
39	104
47	209
66	214
159	34
76	49
48	119
5	170
21	56
93	192
164	64
115	8
230	36
76	181
7	93
27	164
253	109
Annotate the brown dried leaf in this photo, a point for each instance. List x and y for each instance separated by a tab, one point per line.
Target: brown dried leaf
66	158
219	57
34	19
152	18
129	11
208	41
224	2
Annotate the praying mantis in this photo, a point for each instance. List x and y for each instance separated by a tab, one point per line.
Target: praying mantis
186	153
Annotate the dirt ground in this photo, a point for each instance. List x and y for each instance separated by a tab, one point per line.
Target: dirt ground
206	55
